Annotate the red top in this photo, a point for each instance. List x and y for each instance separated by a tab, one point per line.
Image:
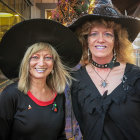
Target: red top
41	103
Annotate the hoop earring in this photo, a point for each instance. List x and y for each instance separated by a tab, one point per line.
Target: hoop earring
114	54
89	55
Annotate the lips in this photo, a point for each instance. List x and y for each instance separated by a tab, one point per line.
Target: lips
40	70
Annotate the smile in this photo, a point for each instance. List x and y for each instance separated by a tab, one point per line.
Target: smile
40	70
100	47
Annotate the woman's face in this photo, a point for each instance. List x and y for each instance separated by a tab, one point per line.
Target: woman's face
41	64
101	42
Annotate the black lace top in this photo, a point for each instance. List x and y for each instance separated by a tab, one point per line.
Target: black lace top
109	117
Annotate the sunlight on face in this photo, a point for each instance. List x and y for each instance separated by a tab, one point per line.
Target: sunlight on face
101	42
41	64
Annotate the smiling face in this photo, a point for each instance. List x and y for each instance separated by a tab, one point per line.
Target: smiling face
41	64
101	43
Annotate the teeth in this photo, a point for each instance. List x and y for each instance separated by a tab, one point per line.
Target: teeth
100	47
40	69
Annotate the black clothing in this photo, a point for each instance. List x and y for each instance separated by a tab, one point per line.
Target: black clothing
19	122
109	117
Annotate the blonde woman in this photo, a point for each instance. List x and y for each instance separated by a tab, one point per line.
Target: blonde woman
34	107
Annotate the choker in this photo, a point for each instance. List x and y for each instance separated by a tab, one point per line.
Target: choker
112	64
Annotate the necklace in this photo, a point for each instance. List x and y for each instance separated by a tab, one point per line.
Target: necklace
103	81
112	64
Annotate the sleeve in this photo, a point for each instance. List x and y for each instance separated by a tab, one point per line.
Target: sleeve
62	135
133	78
75	104
7	110
137	86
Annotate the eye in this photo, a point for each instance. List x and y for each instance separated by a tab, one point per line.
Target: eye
93	34
48	58
109	35
34	57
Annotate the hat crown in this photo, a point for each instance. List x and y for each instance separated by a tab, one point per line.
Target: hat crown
106	10
107	2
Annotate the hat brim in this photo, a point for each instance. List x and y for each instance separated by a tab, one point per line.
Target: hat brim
131	24
16	41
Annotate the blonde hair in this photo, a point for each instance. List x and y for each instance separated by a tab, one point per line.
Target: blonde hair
56	81
122	45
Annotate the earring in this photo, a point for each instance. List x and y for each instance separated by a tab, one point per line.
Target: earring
89	55
114	54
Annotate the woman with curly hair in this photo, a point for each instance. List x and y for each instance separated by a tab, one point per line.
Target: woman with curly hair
106	92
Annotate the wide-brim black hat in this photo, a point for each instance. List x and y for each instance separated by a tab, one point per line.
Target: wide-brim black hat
22	35
110	13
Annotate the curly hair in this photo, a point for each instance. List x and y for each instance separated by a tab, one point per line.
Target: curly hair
122	45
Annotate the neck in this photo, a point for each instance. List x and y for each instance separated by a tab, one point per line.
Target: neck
105	64
38	84
101	69
102	60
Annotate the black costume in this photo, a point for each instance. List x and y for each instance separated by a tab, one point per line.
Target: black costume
22	119
108	117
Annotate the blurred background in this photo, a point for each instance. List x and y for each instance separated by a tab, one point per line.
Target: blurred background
63	11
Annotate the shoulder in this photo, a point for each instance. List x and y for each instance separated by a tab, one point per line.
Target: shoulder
132	70
11	91
132	67
9	99
78	73
60	100
132	74
60	97
79	78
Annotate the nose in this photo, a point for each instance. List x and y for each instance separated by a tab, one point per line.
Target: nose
100	38
41	62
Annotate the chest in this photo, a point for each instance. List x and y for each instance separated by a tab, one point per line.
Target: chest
119	104
31	117
107	83
106	80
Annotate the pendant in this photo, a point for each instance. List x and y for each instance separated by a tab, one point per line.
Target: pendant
104	83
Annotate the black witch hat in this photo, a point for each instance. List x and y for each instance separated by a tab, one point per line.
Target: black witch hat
24	34
104	9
